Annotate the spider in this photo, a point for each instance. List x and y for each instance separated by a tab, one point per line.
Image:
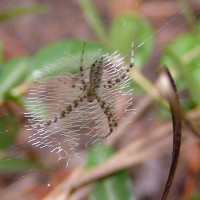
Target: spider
67	108
82	100
90	90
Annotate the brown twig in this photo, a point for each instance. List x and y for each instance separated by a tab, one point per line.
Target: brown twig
79	179
168	89
138	151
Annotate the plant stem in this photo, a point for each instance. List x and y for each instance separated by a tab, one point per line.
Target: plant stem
93	20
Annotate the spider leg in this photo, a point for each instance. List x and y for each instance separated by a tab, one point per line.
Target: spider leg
132	56
112	82
109	114
81	65
68	109
72	106
81	71
84	85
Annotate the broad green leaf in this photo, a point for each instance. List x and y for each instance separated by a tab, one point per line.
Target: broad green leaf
65	49
12	74
182	56
16	164
9	126
116	186
21	11
132	28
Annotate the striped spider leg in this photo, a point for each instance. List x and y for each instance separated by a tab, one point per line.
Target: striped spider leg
86	88
69	108
90	92
112	83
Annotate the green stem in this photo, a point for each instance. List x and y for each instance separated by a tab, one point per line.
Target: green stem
147	86
93	20
1	52
20	11
189	15
184	63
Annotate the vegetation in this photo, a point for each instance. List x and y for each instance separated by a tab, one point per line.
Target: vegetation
180	56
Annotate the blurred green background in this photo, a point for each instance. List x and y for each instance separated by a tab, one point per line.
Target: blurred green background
33	36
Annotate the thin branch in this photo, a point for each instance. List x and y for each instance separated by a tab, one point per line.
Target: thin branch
138	151
168	89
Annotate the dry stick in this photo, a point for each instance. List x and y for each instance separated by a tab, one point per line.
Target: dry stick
61	192
168	89
19	188
113	165
139	150
128	161
82	192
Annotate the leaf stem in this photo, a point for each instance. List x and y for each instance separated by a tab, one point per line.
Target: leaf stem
93	20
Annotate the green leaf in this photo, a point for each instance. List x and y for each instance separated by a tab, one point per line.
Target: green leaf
12	74
128	28
14	164
54	52
98	154
182	56
195	196
21	11
9	127
116	186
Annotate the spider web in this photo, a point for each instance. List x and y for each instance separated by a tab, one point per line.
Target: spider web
52	91
159	31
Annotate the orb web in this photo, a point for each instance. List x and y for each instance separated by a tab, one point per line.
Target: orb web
66	110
